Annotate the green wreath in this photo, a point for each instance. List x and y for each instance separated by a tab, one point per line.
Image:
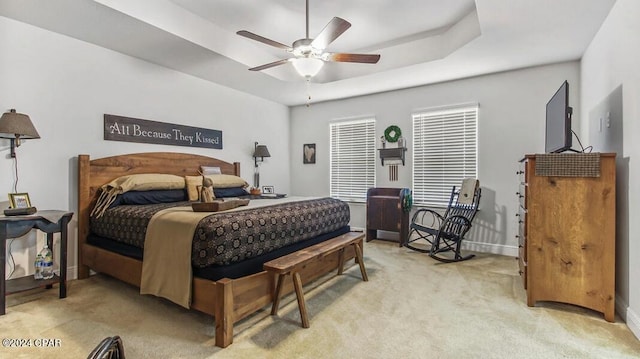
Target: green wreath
392	133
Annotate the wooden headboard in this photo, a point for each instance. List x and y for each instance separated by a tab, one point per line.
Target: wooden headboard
92	174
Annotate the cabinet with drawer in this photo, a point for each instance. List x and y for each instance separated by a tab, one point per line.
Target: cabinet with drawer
566	230
385	212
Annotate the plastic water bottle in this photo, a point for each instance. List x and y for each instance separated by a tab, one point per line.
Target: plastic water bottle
37	274
47	262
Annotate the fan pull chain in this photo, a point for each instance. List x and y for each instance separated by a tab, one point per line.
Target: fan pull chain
308	91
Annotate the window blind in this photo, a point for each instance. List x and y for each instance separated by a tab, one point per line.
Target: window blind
444	152
352	159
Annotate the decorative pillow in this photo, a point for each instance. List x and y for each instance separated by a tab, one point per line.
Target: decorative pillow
150	197
206	170
227	181
229	192
193	183
137	182
145	182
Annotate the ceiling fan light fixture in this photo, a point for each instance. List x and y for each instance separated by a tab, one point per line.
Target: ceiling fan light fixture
307	66
309	53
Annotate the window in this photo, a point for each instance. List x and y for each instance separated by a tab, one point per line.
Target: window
444	152
353	156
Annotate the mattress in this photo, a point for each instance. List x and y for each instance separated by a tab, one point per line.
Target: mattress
216	272
224	238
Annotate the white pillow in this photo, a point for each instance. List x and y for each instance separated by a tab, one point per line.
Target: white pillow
207	170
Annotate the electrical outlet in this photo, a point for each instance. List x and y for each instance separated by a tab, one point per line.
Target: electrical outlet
608	120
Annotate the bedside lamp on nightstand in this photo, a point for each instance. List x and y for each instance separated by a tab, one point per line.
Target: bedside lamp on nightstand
16	126
262	152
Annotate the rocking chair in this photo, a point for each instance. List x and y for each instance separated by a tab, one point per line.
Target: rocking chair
109	348
444	233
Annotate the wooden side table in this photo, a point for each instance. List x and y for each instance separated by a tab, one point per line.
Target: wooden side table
384	212
49	222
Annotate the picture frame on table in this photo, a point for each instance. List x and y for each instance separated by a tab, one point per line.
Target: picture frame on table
268	190
19	200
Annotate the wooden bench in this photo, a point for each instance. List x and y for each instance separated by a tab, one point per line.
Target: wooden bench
296	261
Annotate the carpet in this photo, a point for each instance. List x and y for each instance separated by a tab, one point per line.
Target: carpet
412	307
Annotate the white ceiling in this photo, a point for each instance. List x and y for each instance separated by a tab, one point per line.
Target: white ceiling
420	41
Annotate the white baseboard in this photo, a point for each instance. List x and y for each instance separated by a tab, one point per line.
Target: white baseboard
633	322
501	249
621	308
467	245
72	273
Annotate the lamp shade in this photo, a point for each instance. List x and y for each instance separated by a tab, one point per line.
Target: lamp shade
261	151
17	125
307	66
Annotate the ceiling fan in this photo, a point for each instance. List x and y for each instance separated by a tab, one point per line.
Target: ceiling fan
310	53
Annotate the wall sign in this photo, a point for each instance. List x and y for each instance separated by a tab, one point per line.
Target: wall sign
119	128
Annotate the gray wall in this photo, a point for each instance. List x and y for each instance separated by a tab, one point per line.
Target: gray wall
611	97
511	124
66	86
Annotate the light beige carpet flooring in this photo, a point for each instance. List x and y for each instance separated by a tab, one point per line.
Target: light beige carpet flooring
412	307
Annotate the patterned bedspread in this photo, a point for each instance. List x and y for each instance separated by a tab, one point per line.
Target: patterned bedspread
227	237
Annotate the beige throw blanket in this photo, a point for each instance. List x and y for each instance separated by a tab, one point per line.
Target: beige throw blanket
166	265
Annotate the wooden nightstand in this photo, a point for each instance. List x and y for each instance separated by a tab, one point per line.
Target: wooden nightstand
49	222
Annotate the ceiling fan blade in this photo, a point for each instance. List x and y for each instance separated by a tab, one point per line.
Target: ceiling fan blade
362	58
263	40
334	28
269	65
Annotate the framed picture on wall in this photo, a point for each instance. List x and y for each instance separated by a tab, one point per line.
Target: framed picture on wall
309	153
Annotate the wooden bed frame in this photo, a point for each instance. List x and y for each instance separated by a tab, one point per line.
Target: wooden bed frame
228	300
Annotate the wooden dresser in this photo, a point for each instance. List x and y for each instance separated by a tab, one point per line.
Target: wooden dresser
384	212
567	229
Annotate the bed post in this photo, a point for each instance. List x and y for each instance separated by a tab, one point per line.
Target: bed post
224	310
84	177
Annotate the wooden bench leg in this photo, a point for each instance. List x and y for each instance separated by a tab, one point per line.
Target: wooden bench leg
341	262
297	283
276	296
363	271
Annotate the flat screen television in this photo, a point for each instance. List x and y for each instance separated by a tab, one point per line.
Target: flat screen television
558	129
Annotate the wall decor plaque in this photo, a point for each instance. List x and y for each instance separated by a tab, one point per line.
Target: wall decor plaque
309	153
128	129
